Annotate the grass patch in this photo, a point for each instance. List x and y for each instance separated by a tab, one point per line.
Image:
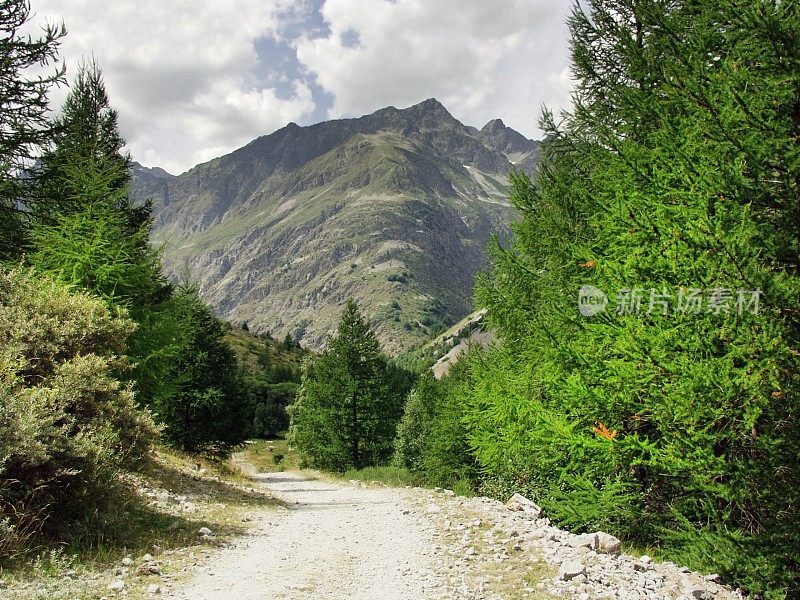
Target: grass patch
270	456
391	476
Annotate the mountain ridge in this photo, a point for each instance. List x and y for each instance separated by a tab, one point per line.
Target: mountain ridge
393	208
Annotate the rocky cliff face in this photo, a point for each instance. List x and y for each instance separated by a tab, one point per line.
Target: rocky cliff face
393	208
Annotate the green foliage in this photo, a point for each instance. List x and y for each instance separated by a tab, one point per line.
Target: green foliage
678	168
436	317
264	360
93	249
87	230
67	425
346	414
270	401
200	402
89	234
288	342
413	431
395	278
85	164
24	116
389	475
274	371
431	437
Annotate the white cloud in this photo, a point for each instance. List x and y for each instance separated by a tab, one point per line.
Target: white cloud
483	60
189	84
179	72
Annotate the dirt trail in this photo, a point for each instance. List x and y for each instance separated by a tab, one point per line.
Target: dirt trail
331	541
336	541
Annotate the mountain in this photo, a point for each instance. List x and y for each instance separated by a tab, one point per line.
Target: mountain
394	209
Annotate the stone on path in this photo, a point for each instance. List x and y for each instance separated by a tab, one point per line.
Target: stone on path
570	570
518	502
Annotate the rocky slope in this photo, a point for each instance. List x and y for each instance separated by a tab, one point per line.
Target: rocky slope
393	208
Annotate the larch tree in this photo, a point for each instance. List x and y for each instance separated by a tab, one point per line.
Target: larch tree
24	114
87	229
667	407
346	414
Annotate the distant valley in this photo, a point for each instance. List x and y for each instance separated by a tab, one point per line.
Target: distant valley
394	209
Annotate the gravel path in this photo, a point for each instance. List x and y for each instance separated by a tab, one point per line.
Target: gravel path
332	541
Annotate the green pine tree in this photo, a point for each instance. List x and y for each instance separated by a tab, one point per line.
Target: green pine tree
346	414
199	395
86	142
24	123
87	229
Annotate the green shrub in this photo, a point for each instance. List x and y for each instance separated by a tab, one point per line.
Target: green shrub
414	429
270	401
67	426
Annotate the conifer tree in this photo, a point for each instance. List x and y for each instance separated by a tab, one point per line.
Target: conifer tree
87	228
673	187
24	124
199	396
346	414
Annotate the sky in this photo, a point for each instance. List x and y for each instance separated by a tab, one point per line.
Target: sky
195	79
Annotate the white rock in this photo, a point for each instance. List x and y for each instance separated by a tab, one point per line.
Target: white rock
694	591
127	561
116	586
518	502
153	589
570	569
586	540
204	531
607	544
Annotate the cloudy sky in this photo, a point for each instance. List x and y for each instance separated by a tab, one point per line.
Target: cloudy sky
195	79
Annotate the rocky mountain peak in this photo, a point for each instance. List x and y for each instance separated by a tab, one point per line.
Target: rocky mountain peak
516	147
393	208
494	127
